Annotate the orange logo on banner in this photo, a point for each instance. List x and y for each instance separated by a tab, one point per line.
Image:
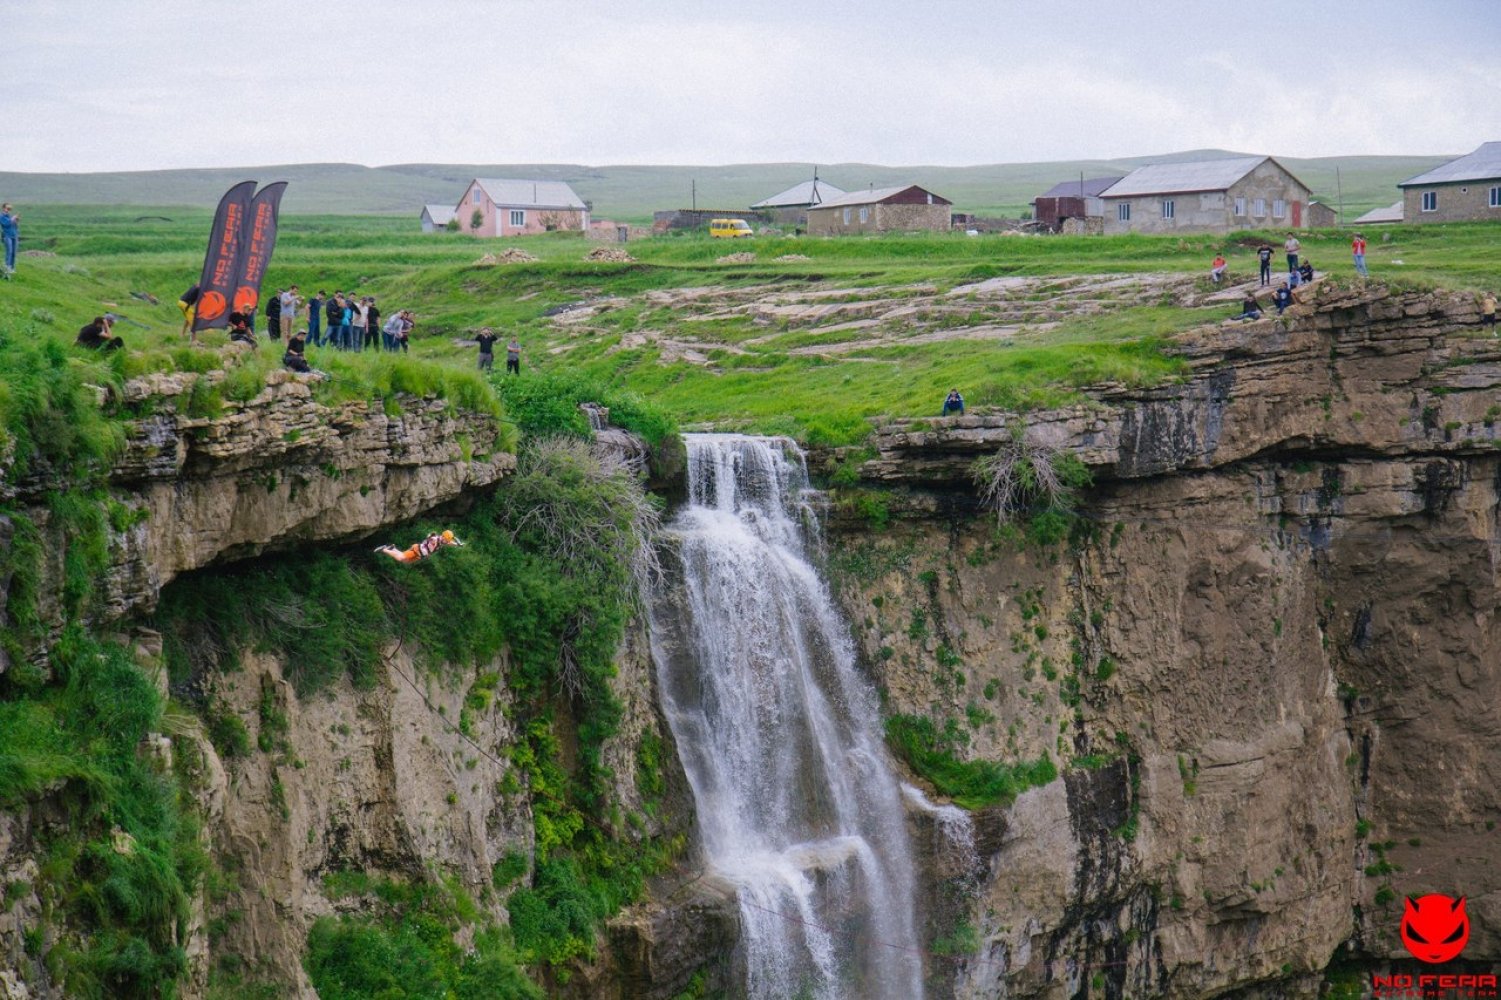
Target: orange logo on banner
211	306
246	298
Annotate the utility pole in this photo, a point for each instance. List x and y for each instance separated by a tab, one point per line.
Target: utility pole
1339	192
695	194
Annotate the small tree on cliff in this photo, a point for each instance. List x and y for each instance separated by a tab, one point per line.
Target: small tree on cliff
1022	477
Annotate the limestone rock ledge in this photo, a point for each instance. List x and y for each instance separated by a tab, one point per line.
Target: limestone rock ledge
1269	677
1357	370
275	472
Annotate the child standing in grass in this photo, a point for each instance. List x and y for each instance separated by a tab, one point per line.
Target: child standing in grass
513	356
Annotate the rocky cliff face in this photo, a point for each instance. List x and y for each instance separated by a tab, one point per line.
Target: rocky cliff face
1270	663
276	472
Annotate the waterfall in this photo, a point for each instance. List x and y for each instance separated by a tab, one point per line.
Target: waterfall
780	736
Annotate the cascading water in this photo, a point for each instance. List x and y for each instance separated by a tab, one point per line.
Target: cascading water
780	738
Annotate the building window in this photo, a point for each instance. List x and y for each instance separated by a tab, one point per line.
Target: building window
479	199
1123	212
1430	201
1167	208
1279	208
864	214
1240	206
846	216
1496	197
518	217
1261	208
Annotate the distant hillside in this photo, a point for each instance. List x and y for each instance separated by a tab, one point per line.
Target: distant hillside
634	192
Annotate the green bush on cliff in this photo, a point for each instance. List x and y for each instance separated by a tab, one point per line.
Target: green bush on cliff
122	873
547	403
49	404
406	948
973	784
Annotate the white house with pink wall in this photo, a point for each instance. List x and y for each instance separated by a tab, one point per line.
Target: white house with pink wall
520	208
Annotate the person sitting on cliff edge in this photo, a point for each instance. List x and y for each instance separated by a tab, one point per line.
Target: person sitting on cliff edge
432	543
953	404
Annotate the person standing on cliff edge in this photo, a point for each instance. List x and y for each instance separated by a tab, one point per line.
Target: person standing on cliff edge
1291	247
1357	250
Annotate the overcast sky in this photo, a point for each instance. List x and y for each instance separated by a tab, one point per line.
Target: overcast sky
145	84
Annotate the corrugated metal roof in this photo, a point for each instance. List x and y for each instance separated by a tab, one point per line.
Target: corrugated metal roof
813	192
1482	165
440	214
1173	178
529	194
1093	188
1391	213
878	195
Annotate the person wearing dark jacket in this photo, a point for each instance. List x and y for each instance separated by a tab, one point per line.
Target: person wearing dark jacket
315	318
1305	271
1282	297
240	331
372	325
1264	256
296	356
954	403
96	335
1249	308
273	315
334	310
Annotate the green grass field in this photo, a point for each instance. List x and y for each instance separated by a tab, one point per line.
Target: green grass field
747	373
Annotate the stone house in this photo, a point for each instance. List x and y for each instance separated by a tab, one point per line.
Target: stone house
520	208
1071	200
1464	190
1321	216
790	207
881	210
1206	196
435	217
1382	216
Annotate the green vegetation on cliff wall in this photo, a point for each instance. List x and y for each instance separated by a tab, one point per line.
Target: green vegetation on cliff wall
546	576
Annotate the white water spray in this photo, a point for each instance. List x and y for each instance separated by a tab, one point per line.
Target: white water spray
780	737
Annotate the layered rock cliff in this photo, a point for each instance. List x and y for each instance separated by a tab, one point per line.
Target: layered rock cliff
1269	659
275	472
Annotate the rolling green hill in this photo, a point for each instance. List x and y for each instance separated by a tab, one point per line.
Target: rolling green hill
634	192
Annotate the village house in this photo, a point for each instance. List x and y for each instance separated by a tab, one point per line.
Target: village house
435	217
1321	216
520	208
1464	190
790	207
1079	200
1206	196
881	210
1382	216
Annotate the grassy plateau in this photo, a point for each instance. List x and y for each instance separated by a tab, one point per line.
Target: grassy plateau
710	342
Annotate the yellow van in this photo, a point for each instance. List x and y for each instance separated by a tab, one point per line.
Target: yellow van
730	229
